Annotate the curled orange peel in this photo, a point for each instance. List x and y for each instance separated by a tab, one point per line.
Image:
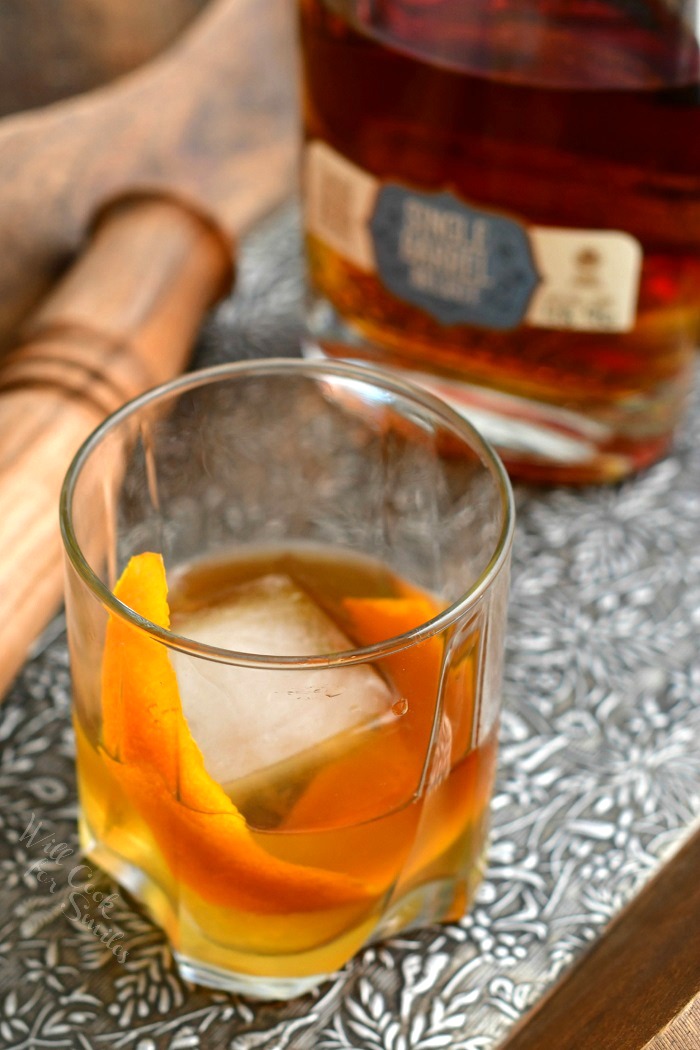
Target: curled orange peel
414	671
151	755
385	769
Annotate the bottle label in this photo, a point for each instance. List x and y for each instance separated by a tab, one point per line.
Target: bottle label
464	264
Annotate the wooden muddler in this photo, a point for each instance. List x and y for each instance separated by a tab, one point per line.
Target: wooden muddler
193	148
123	320
213	121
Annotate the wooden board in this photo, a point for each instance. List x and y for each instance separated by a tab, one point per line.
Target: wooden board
637	988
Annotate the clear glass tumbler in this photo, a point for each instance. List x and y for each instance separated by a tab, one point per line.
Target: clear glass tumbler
286	595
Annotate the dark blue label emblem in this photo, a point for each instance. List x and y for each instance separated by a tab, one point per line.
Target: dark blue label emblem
460	264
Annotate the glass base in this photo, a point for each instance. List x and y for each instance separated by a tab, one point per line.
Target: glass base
440	900
253	987
536	440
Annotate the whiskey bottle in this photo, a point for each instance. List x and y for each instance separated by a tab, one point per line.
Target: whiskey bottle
502	199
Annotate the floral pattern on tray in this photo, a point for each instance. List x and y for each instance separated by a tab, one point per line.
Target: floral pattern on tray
599	781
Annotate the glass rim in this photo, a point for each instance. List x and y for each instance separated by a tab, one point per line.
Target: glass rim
368	375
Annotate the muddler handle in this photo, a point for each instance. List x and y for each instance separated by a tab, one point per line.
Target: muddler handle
122	320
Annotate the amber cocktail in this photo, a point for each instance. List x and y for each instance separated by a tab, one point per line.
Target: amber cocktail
286	594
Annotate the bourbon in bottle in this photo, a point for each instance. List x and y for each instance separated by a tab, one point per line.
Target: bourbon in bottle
504	199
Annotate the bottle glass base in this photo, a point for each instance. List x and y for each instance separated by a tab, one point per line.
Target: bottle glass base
538	440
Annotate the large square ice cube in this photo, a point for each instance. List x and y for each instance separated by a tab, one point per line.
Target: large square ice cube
245	719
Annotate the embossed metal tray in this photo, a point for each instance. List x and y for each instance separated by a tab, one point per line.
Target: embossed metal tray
599	780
